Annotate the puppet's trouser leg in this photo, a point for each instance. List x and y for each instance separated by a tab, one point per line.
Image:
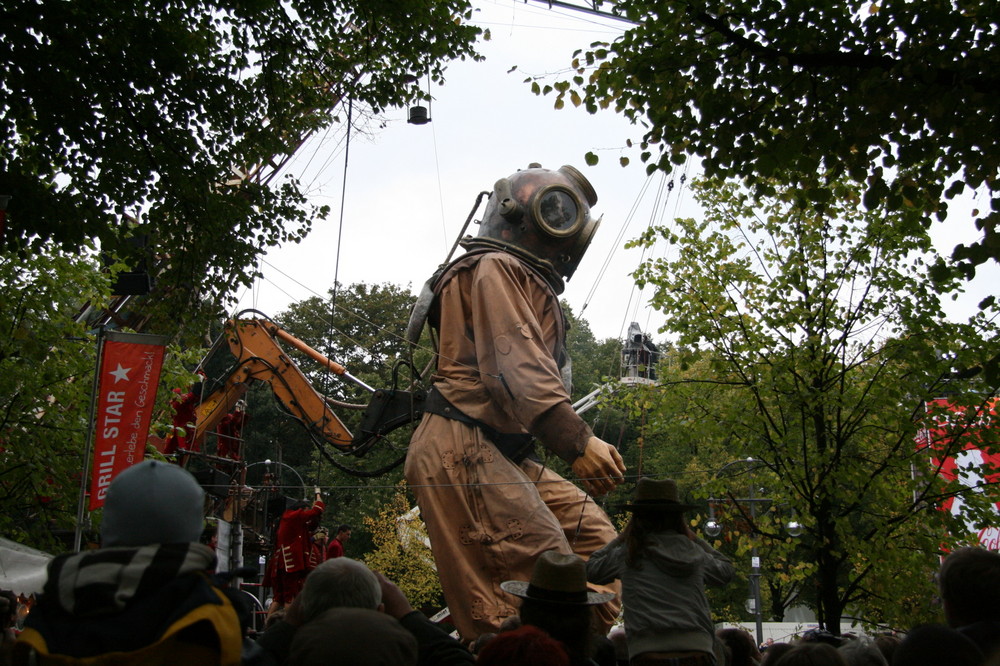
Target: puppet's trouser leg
486	520
586	526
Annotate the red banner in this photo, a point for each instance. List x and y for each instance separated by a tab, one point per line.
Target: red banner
126	392
955	441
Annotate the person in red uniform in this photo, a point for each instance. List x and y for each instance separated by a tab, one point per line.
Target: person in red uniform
185	406
292	546
336	547
317	548
230	432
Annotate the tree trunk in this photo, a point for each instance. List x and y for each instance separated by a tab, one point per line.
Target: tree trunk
829	606
779	600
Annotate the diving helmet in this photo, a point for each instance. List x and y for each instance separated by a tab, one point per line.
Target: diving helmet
541	216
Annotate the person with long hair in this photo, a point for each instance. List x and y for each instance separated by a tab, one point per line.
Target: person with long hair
557	601
664	569
525	646
743	649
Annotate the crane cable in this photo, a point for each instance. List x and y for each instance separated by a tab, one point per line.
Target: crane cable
616	244
327	374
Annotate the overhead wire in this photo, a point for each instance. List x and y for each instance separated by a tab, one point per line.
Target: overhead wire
667	473
616	244
678	200
328	161
636	293
538	11
437	168
343	203
328	373
322	140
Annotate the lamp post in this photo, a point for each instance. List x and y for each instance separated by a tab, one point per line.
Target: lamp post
713	528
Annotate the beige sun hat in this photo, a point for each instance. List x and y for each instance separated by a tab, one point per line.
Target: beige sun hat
557	578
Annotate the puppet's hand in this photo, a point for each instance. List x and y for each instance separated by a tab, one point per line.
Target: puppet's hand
600	468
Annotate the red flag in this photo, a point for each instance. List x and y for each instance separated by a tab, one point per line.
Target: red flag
955	443
126	392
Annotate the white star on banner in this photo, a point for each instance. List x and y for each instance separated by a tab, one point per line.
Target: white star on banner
121	374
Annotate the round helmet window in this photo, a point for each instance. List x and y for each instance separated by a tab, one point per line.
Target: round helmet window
558	212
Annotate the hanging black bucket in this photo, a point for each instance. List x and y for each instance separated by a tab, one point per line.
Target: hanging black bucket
418	115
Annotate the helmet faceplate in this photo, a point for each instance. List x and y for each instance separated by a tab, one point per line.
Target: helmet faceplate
543	216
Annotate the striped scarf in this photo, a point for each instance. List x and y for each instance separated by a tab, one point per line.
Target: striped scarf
103	581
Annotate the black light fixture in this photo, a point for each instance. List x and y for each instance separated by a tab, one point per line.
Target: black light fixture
419	114
136	280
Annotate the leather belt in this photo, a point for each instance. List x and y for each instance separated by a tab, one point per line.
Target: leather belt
514	446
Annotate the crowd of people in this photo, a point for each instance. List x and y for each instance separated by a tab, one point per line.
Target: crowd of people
148	596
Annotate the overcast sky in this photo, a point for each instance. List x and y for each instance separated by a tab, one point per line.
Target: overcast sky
408	189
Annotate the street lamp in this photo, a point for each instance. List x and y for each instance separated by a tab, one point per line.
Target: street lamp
713	528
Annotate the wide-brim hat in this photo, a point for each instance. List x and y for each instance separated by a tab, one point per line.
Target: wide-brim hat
558	578
657	495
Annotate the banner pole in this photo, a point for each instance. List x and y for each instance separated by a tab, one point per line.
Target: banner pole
85	474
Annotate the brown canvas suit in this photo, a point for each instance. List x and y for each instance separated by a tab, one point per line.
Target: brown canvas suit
500	330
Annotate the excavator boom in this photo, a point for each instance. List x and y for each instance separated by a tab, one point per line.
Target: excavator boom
259	357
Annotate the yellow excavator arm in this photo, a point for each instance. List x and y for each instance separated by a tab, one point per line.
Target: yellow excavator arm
255	344
259	357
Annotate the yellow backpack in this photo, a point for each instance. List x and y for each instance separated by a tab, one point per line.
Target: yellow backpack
208	634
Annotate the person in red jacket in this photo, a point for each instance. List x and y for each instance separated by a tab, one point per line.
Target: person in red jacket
336	547
317	548
292	546
185	406
230	432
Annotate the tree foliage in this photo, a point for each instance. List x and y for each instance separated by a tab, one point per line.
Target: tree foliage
46	372
401	552
898	96
812	343
47	361
595	362
157	110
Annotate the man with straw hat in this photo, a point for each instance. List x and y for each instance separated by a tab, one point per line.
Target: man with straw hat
557	600
664	569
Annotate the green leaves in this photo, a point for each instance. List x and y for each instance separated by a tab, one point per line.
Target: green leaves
820	342
146	112
763	90
46	370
